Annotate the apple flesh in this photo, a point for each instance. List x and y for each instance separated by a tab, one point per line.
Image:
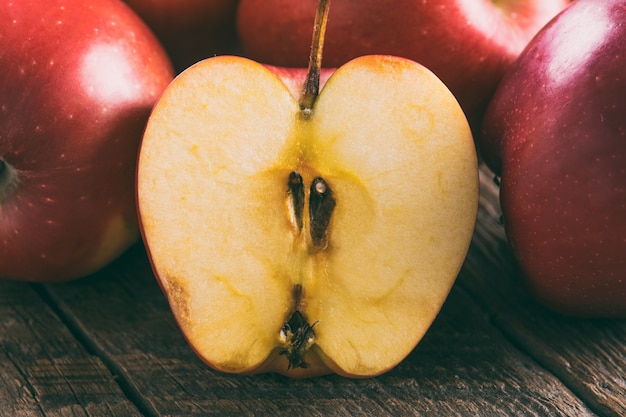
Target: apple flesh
556	134
190	30
306	244
78	82
468	44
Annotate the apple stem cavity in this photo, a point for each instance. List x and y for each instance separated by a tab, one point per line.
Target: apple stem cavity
311	87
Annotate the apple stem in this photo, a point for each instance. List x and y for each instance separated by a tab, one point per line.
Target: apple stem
311	87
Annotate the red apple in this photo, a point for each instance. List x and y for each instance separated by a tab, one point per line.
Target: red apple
556	132
467	43
190	30
78	82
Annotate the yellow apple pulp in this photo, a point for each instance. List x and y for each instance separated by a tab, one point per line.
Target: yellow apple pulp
236	260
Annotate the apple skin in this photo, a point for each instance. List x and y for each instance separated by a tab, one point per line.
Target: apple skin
190	30
468	44
79	80
556	133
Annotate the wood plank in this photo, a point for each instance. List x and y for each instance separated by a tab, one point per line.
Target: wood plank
589	356
464	366
44	371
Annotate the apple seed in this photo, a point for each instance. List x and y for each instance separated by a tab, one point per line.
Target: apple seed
295	193
321	205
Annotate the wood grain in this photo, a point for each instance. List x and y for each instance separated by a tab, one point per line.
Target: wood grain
464	365
44	370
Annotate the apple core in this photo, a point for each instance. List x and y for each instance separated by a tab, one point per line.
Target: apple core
297	335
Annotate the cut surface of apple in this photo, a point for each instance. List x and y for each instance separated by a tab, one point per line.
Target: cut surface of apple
307	245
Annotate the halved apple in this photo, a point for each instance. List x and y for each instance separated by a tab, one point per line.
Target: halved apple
307	242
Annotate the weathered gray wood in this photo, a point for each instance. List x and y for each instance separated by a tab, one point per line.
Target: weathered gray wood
44	371
589	356
464	366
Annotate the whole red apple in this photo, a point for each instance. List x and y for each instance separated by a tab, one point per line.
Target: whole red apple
79	80
467	43
190	30
556	132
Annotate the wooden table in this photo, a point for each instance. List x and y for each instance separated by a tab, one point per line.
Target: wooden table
107	345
